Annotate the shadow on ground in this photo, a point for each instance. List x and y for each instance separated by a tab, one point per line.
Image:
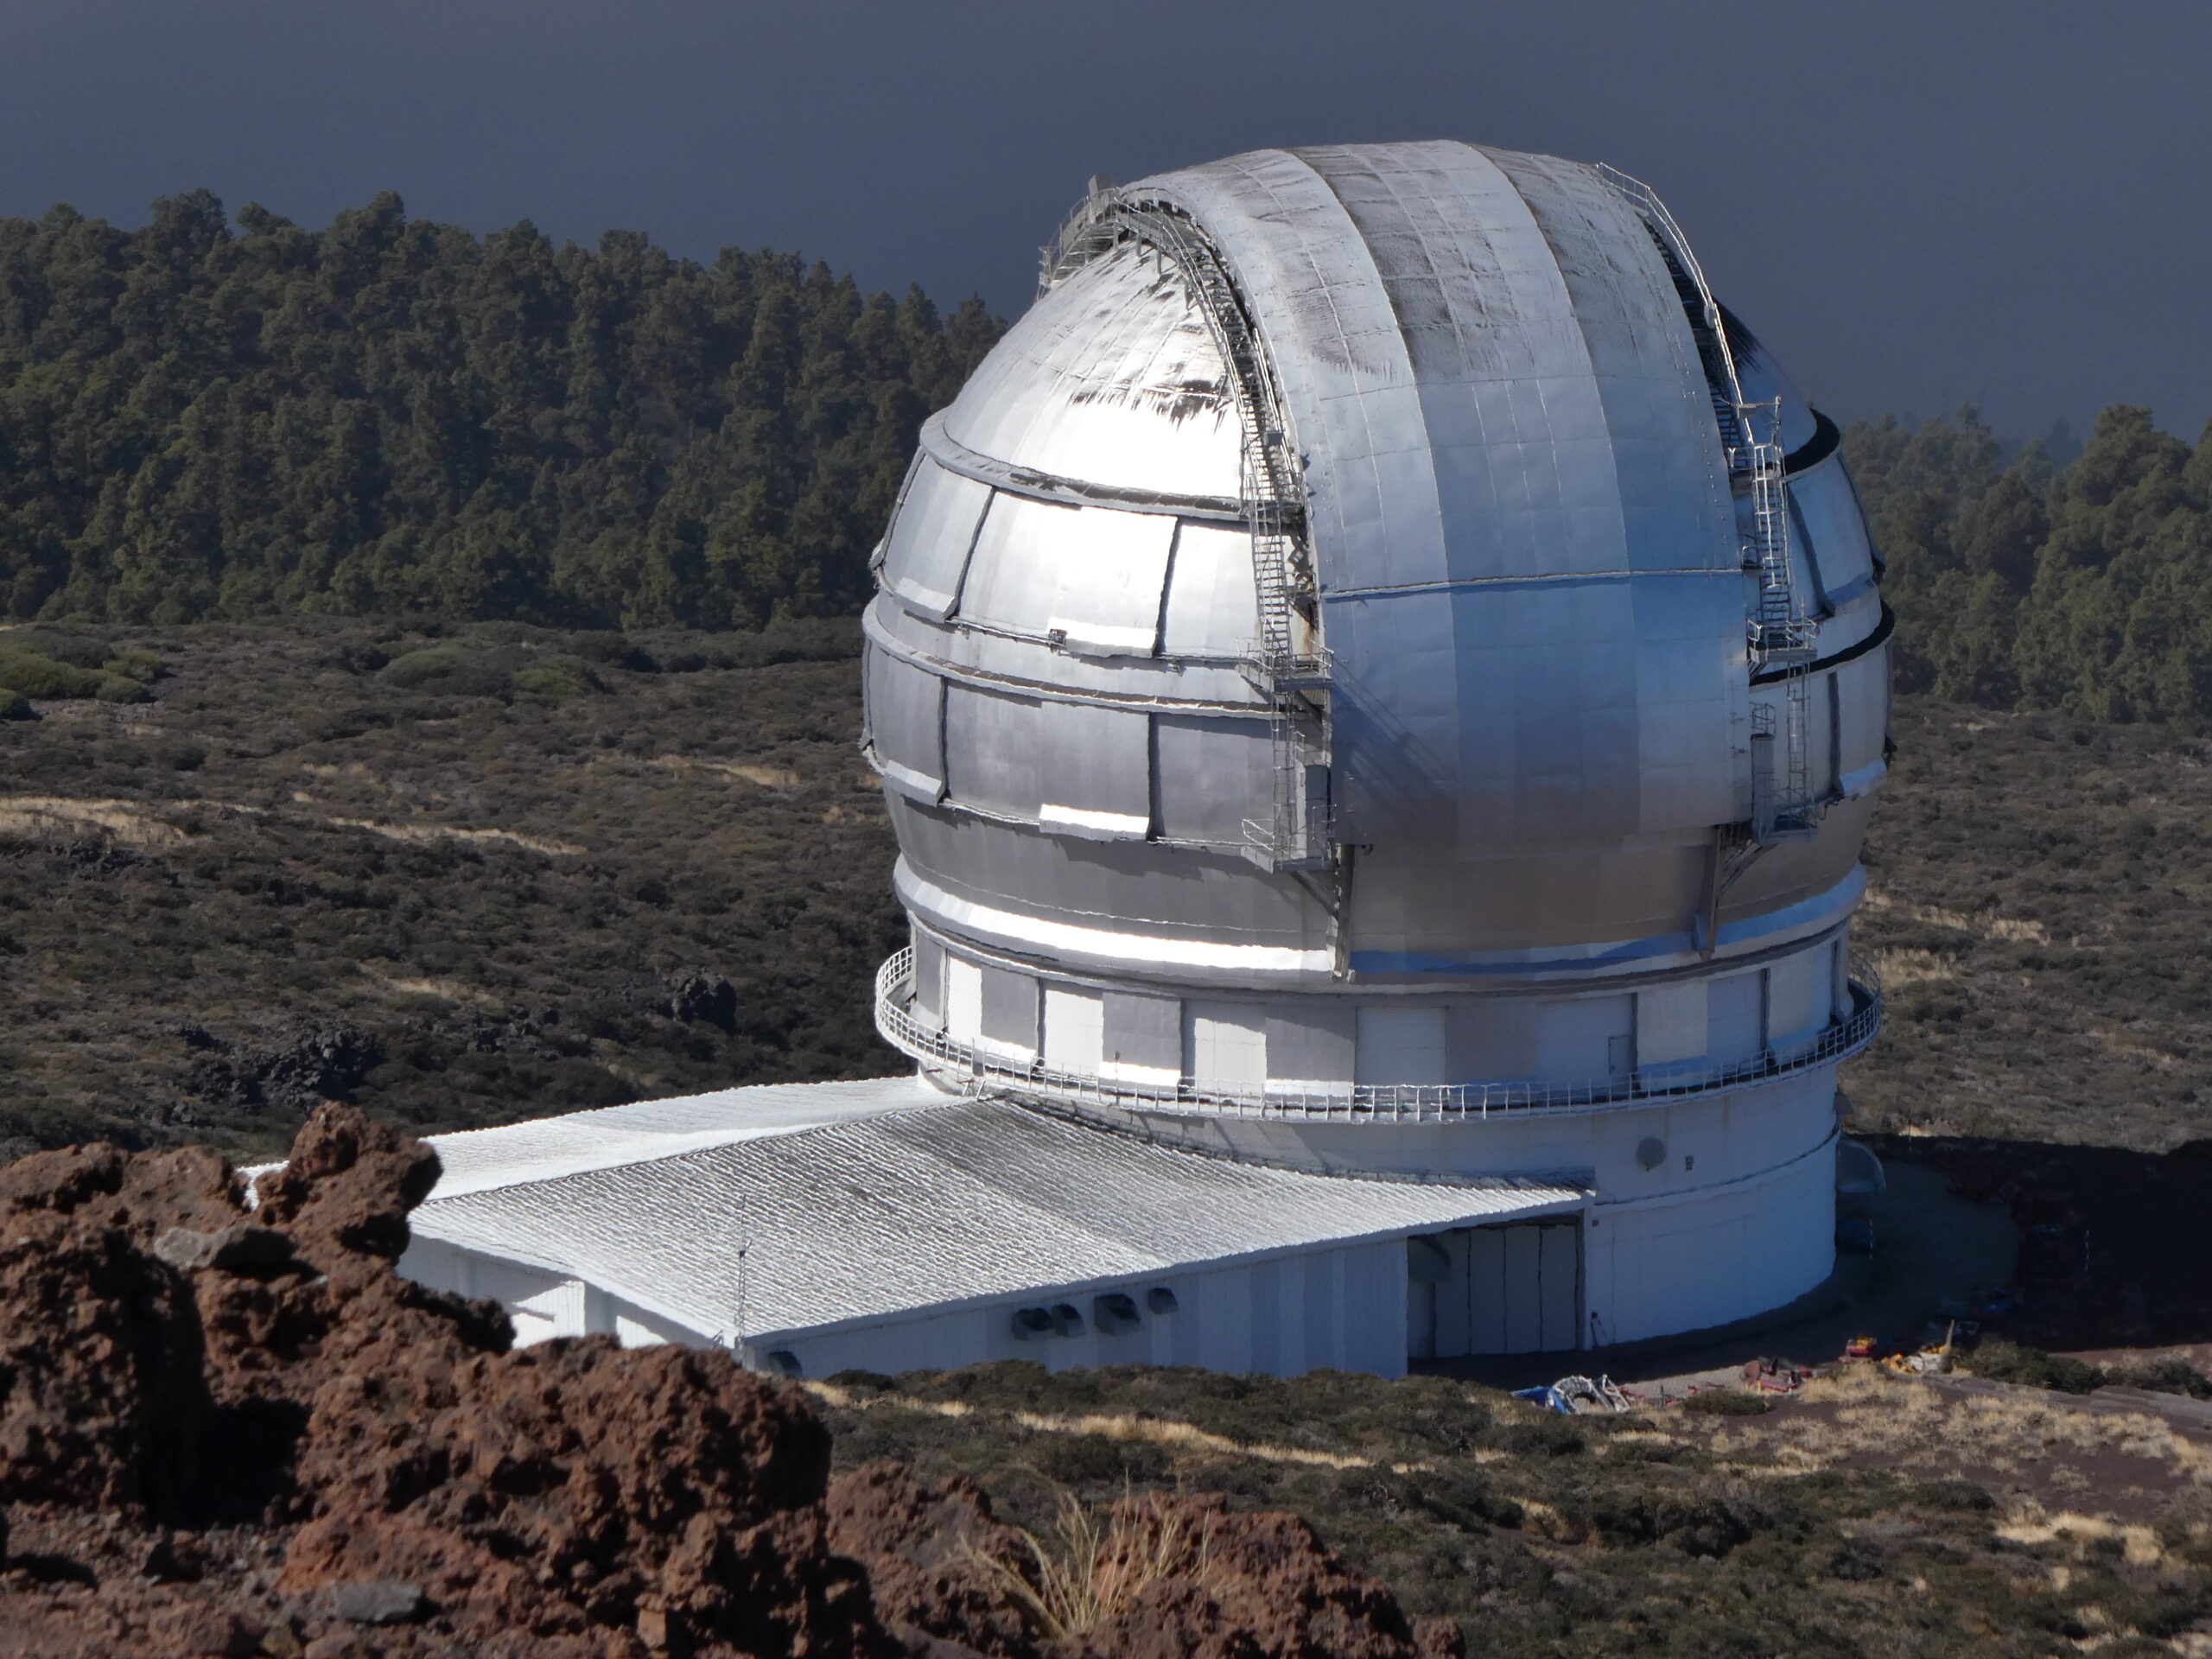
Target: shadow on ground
2120	1264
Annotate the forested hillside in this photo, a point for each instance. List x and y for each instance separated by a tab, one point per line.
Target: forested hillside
2086	589
392	418
199	420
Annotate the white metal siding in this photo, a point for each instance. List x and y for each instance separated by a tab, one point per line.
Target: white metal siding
1401	1046
1075	1030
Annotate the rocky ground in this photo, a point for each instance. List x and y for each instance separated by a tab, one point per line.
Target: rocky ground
227	1431
234	1432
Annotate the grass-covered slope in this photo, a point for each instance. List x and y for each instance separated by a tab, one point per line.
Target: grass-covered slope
460	879
499	872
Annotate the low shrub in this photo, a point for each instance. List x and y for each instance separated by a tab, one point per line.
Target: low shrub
558	679
456	670
2169	1376
2012	1361
34	674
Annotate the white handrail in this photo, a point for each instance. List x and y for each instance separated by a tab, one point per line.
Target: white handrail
966	1065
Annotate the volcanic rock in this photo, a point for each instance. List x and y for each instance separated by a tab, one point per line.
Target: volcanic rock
227	1430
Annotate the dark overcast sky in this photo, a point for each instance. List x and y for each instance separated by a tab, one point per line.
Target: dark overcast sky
1914	203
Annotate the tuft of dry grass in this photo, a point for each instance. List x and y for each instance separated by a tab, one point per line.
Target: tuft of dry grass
1095	1568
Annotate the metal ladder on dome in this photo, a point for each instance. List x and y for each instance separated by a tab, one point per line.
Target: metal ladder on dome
1294	681
1780	639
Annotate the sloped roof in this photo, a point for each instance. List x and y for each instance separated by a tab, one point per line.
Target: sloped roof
884	1210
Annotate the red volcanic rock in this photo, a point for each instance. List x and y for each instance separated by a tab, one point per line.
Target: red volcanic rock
922	1544
226	1431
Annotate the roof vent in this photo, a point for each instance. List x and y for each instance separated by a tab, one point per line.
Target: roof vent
1160	1299
1113	1314
782	1363
1031	1324
1066	1320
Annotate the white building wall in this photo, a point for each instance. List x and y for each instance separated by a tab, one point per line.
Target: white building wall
1341	1308
1689	1261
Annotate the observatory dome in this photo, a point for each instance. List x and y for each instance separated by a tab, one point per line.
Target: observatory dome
1379	670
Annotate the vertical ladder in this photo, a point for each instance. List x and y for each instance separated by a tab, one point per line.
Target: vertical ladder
1780	639
1291	674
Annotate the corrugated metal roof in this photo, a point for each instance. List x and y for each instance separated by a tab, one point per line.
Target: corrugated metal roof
548	1148
892	1210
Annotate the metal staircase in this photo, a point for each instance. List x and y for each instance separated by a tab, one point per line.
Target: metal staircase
1290	669
1780	639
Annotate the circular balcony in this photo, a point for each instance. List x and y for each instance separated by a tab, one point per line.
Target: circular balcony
964	1066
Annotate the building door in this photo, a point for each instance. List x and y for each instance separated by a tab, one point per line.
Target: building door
1511	1289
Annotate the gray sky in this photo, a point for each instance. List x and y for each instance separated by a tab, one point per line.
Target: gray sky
1914	203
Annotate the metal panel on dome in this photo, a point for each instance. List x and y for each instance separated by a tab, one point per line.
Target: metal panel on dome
1835	530
906	719
1208	776
1213	603
1013	580
1113	578
992	751
926	553
1096	767
1670	472
1112	378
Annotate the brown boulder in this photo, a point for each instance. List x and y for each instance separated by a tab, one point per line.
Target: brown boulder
225	1431
924	1547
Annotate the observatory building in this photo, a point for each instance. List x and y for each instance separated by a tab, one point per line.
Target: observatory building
1379	683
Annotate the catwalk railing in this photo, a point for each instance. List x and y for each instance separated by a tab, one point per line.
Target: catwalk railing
970	1067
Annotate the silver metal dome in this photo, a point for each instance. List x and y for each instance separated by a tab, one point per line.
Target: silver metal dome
1377	643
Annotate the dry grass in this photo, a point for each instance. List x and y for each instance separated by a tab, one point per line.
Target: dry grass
1112	1426
1983	926
43	816
454	832
766	776
1095	1568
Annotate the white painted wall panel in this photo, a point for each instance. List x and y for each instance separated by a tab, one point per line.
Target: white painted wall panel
1143	1037
929	981
963	999
1588	1036
1075	1031
1738	1014
1225	1043
1670	1023
1009	1015
1401	1046
1311	1043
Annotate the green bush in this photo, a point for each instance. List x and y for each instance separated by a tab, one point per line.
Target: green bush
455	670
35	674
2012	1361
2165	1376
558	679
14	705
